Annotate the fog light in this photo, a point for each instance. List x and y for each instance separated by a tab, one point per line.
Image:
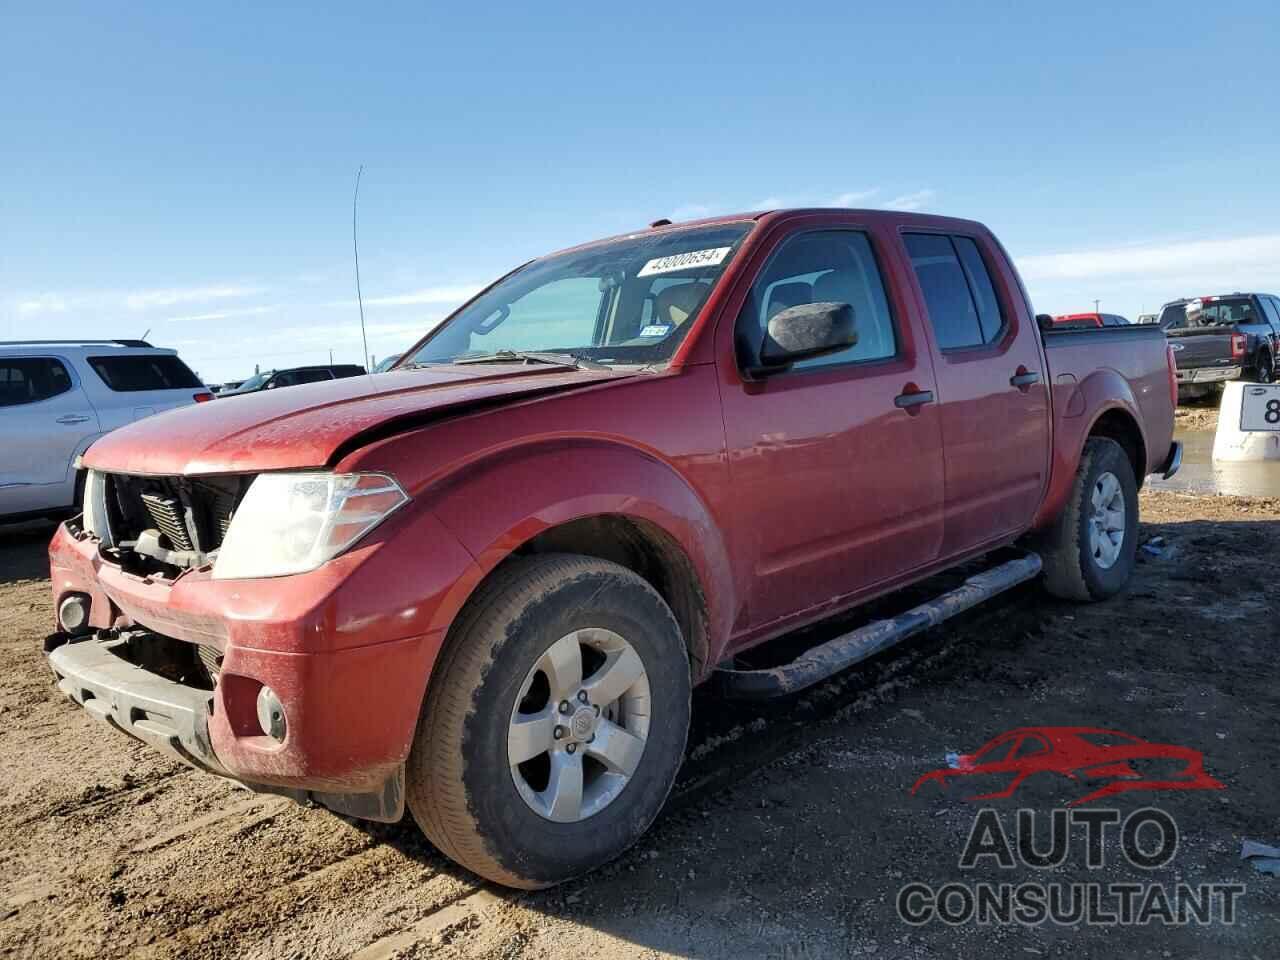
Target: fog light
271	714
73	614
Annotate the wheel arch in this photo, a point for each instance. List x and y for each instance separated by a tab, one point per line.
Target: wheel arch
650	552
604	501
1119	424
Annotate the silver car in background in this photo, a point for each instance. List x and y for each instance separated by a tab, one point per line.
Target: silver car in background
57	397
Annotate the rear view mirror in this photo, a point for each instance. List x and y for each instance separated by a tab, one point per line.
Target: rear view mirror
1044	321
804	332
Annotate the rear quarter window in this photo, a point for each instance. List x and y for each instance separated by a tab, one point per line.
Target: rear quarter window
131	374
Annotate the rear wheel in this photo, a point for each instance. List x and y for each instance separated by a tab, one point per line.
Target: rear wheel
1266	368
554	724
1089	551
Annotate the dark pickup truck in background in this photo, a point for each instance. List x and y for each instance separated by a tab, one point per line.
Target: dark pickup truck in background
1229	337
483	584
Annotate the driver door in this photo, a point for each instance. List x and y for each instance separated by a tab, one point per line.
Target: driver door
839	486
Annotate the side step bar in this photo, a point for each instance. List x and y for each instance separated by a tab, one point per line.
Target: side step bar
844	651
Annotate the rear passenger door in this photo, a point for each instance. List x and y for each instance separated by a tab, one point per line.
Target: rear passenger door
45	420
991	387
837	485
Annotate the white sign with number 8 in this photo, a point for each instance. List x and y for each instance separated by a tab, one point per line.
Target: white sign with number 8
1261	408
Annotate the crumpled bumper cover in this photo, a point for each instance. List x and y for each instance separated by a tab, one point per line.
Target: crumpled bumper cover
168	715
175	719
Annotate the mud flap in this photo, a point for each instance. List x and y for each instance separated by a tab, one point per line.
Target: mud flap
384	806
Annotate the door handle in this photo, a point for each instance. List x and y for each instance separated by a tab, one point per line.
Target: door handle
72	418
1024	379
906	401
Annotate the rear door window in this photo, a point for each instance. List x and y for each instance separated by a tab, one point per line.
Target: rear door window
31	379
953	311
984	293
134	374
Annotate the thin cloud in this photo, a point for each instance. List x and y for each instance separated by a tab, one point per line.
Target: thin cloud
168	298
911	201
853	198
429	295
1231	255
222	315
44	303
691	211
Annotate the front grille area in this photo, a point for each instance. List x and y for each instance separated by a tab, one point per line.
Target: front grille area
191	514
166	513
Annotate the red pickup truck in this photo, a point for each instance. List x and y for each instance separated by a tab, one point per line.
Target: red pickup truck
484	583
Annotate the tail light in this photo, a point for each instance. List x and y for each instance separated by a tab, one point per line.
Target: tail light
1237	346
202	397
1173	375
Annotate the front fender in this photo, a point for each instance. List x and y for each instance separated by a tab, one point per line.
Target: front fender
498	503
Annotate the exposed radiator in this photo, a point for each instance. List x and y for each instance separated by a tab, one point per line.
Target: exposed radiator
166	513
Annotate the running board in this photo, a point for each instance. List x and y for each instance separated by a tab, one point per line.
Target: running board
844	651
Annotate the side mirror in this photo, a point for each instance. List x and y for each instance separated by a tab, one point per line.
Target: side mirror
804	332
1044	321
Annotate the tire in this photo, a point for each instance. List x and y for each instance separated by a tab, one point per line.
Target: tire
486	814
1265	370
1073	568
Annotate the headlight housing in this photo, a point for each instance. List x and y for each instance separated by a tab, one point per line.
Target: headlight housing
95	518
293	522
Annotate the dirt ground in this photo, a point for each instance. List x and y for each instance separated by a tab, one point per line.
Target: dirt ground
789	834
1201	416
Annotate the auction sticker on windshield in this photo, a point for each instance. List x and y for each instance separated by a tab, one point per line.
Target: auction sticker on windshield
1261	408
683	261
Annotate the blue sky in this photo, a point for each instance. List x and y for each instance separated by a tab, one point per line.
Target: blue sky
190	171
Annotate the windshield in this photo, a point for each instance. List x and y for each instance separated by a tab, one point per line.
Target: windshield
254	382
629	301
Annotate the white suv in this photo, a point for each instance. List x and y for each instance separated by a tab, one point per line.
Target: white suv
57	397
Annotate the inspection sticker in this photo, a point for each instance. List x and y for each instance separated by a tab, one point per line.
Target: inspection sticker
1260	409
683	261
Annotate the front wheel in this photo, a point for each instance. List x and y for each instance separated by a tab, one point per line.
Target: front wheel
554	724
1089	551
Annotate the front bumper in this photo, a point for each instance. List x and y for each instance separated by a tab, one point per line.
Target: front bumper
174	718
1209	374
347	650
170	716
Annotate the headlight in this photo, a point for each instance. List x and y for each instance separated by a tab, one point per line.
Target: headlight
95	507
293	522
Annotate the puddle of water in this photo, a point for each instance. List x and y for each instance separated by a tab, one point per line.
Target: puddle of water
1201	474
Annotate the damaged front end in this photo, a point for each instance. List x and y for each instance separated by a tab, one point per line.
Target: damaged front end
270	680
161	525
158	690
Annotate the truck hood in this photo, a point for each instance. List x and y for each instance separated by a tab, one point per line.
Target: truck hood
305	426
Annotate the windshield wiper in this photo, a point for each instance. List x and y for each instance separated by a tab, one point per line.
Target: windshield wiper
527	356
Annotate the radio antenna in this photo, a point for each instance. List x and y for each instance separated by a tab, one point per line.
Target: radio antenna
355	248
